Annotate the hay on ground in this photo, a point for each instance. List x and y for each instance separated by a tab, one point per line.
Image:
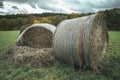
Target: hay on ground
35	57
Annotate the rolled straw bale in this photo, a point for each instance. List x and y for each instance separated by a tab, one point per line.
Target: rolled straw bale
38	35
82	41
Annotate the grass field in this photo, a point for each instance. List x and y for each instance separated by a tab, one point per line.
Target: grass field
60	71
7	38
114	36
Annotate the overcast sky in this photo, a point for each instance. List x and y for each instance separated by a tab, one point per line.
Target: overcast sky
61	6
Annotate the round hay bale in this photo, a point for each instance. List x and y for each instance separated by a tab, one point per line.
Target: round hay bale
37	35
44	57
82	41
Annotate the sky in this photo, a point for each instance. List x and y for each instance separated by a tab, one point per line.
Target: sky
55	6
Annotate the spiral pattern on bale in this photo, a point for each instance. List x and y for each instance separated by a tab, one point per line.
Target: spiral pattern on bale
82	41
38	35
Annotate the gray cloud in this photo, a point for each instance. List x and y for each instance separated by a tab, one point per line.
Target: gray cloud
15	7
106	4
21	1
1	4
84	9
2	13
44	4
90	5
62	5
80	6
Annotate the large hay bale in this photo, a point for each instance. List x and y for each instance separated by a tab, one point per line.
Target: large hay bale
82	41
37	35
44	57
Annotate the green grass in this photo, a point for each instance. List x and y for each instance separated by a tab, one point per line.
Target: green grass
114	35
60	71
7	38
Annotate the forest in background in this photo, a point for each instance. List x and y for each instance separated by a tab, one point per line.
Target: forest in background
16	21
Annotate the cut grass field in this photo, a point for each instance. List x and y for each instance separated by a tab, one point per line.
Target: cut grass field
60	71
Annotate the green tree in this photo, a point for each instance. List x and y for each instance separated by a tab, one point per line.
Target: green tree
12	24
3	24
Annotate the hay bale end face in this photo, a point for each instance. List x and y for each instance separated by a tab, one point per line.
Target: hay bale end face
37	36
82	41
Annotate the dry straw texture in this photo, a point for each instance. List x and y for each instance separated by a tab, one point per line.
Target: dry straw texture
44	57
37	35
82	41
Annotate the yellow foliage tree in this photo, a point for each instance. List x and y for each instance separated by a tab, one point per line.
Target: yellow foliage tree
36	21
45	20
73	15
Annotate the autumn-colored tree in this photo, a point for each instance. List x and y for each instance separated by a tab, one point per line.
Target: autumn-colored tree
45	20
59	19
73	15
52	19
36	21
30	19
101	13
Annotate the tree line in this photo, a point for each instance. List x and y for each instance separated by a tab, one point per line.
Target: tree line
113	19
15	22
